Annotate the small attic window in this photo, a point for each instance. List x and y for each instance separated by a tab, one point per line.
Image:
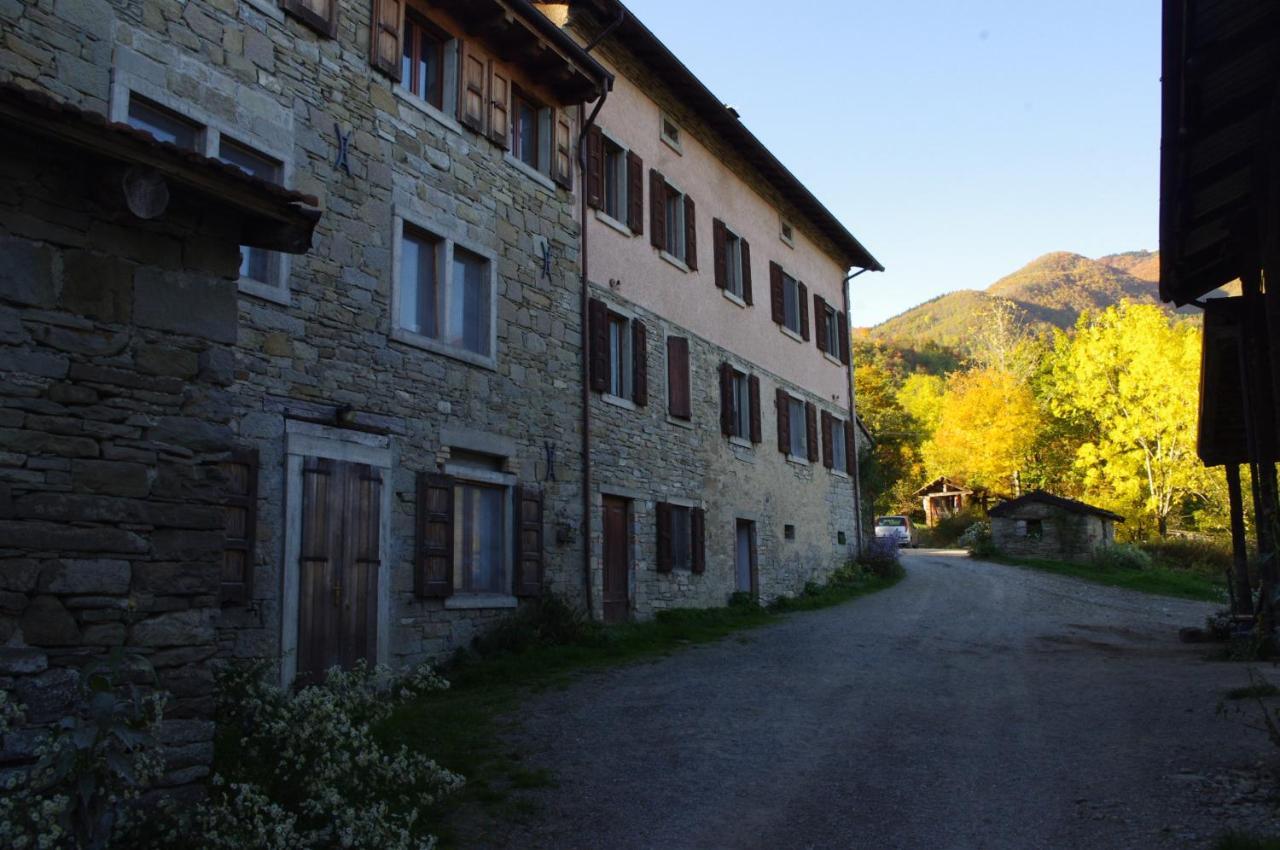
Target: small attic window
671	133
786	234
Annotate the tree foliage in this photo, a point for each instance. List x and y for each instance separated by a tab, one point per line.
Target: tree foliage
986	430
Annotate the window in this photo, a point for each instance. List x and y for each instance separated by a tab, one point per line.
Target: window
796	422
620	356
739	404
786	234
789	532
1031	528
681	537
675	223
615	180
733	263
791	303
165	124
422	68
839	458
679	397
445	293
840	538
671	133
526	133
255	263
480	543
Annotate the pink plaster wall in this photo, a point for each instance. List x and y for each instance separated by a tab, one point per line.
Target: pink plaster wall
691	298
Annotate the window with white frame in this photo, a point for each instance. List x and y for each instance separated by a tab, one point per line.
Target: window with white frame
615	180
446	292
733	262
839	458
790	303
797	428
622	366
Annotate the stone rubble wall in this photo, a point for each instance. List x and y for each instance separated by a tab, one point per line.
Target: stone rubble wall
1067	534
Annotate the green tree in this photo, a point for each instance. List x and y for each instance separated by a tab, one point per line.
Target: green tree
921	397
896	436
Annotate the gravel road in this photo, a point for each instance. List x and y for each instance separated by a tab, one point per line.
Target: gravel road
973	705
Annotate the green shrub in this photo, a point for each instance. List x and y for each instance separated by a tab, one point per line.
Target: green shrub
947	533
1122	556
977	539
546	621
880	557
1199	556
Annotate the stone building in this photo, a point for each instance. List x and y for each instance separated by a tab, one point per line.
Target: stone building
1041	525
563	326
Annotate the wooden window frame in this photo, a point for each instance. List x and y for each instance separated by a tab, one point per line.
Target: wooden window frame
240	593
326	27
415	23
519	96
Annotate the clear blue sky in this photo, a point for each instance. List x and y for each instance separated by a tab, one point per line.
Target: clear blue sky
957	139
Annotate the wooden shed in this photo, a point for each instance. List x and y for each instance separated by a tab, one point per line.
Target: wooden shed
943	498
1041	525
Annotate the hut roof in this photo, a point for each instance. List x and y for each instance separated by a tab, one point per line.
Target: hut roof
1009	509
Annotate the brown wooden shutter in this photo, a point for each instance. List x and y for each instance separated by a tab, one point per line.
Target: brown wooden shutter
820	316
782	401
842	324
698	539
753	391
240	511
322	16
719	256
811	429
362	541
640	362
595	167
664	537
850	449
776	294
598	335
746	270
679	398
828	438
635	193
318	562
386	45
804	310
433	576
499	105
528	542
690	234
471	106
657	209
564	151
726	399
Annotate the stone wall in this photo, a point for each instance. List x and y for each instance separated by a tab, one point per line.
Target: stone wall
1066	534
116	362
642	454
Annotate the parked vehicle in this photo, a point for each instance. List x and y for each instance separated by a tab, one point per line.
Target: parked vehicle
899	528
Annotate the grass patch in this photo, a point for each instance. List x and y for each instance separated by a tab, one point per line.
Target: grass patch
1156	580
1245	841
546	646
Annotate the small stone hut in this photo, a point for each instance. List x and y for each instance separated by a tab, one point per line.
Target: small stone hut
1042	525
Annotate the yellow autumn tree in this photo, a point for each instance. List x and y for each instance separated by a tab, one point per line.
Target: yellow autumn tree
986	429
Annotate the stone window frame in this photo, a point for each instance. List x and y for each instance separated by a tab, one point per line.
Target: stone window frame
546	117
786	232
449	236
673	141
303	440
687	506
793	429
617	311
124	83
446	112
464	474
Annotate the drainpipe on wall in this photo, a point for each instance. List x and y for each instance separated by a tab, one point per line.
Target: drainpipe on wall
853	416
586	122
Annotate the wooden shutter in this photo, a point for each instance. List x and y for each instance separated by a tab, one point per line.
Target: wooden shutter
635	193
362	540
321	16
664	537
782	401
828	439
850	449
564	151
528	542
679	400
811	429
386	39
776	294
753	391
657	209
471	106
433	575
820	316
240	511
499	105
595	167
746	270
842	325
804	310
598	336
690	234
719	257
698	539
726	399
318	562
640	363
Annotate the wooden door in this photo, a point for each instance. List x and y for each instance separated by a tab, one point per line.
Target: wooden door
617	560
338	566
745	557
